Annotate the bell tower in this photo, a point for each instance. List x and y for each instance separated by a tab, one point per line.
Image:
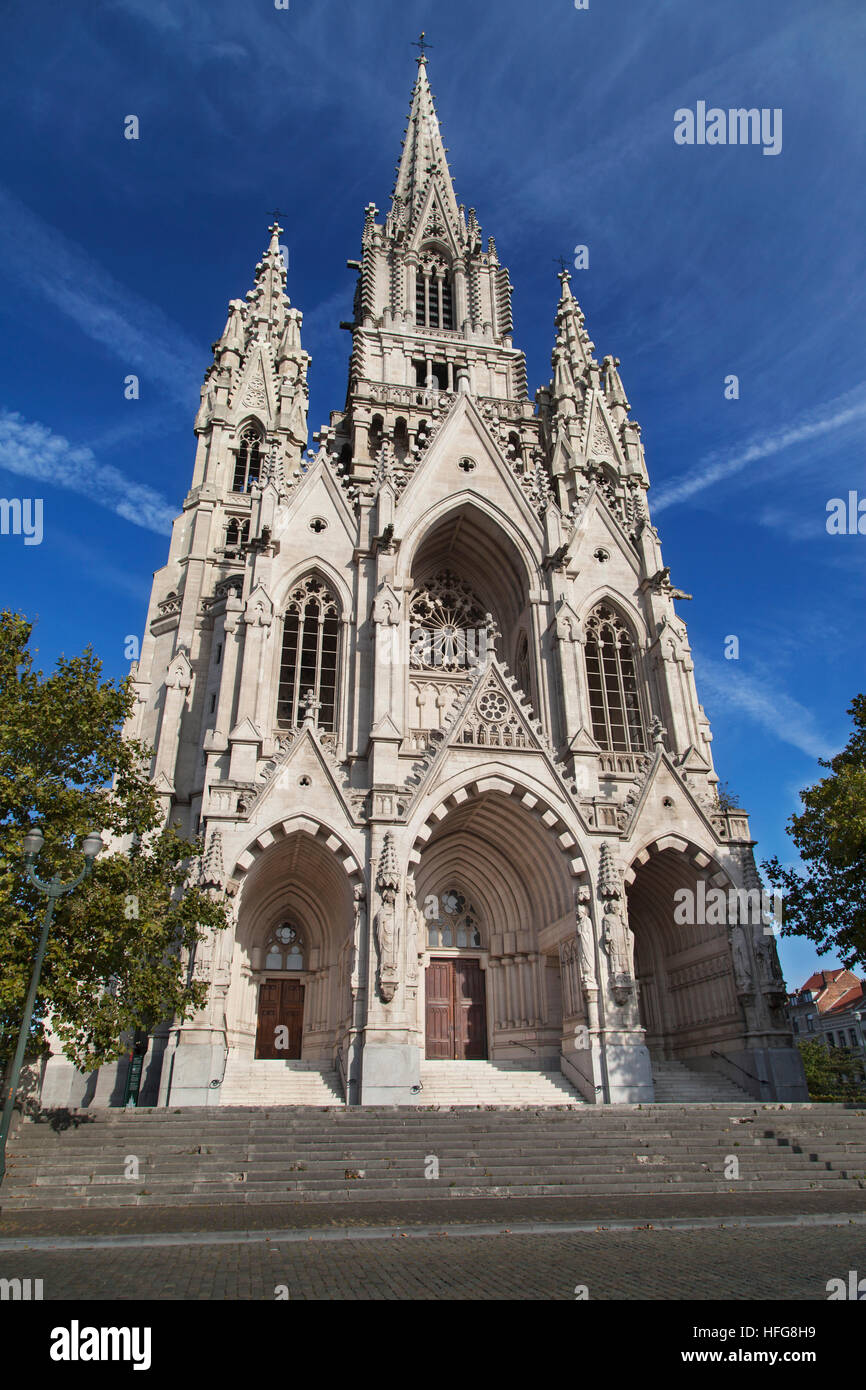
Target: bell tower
432	309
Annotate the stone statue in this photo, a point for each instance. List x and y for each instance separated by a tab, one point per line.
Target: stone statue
387	923
618	940
768	959
585	944
414	929
742	963
359	928
387	942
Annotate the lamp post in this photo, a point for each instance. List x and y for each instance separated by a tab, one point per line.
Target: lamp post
54	889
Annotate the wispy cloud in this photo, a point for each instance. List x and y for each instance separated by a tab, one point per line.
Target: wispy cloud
31	450
764	703
132	329
835	415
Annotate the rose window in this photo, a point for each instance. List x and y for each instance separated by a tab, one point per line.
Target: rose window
493	706
448	625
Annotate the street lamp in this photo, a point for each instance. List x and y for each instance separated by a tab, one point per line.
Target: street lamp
54	888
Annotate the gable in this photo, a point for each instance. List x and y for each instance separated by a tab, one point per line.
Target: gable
439	475
255	391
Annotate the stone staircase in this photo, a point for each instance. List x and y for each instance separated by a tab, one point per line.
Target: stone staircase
493	1083
230	1155
677	1084
281	1082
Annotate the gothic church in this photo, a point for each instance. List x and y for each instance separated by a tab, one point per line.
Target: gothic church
425	694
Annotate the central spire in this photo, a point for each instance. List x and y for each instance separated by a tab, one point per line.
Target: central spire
423	160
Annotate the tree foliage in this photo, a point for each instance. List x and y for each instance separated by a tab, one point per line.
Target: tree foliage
827	902
832	1073
114	960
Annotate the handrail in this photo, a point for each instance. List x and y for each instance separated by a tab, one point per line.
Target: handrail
342	1073
760	1080
215	1085
515	1043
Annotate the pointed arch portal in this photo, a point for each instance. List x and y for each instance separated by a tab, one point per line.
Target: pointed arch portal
289	996
687	996
497	893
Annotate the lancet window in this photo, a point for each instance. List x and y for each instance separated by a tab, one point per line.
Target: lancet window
614	703
434	297
451	920
285	948
248	460
310	656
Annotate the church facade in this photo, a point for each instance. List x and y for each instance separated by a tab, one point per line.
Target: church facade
424	692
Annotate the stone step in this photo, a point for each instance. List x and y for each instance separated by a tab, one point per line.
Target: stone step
674	1082
491	1083
225	1156
279	1082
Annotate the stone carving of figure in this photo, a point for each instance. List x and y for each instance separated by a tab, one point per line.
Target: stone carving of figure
387	942
618	940
585	945
414	928
740	956
360	925
768	959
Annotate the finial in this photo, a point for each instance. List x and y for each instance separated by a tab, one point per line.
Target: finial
422	44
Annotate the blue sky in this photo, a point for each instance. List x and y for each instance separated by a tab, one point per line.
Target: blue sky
119	257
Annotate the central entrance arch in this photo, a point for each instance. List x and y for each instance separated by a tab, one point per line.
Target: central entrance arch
496	895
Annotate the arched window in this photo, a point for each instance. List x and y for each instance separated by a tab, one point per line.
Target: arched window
521	664
237	532
310	657
375	436
248	461
401	439
434	298
285	948
451	921
614	704
448	626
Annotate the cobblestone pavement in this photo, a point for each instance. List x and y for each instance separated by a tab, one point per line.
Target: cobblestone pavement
770	1263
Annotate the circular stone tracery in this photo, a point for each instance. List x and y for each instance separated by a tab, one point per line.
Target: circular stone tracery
493	706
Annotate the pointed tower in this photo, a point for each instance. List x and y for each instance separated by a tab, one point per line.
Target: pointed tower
432	312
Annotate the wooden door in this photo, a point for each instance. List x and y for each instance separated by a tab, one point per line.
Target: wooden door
456	1013
281	1006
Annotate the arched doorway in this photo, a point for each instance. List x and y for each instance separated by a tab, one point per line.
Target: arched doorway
687	993
279	1030
455	1024
289	996
496	895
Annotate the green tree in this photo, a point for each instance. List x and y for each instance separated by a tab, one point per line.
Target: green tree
832	1074
114	957
827	903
